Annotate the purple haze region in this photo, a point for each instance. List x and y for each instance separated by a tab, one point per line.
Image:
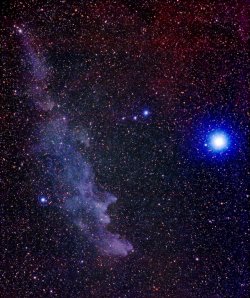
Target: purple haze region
67	168
39	72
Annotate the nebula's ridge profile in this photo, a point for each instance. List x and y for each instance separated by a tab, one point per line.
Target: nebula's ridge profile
86	205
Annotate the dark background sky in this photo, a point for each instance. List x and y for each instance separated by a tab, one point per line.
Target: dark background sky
183	207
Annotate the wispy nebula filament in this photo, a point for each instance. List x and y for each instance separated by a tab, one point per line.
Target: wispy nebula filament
85	204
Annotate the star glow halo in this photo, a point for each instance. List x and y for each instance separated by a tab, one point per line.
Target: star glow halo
218	141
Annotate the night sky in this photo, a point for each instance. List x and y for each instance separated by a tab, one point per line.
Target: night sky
124	149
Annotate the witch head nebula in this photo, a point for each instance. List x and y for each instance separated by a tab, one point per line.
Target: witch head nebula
85	204
66	168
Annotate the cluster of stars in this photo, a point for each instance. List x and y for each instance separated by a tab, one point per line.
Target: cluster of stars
144	114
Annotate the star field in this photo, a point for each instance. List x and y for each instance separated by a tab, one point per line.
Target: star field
124	156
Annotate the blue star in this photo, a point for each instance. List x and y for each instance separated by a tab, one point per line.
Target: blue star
146	113
42	200
218	141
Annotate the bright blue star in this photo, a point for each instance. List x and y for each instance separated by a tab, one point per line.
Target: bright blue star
218	141
146	113
43	200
